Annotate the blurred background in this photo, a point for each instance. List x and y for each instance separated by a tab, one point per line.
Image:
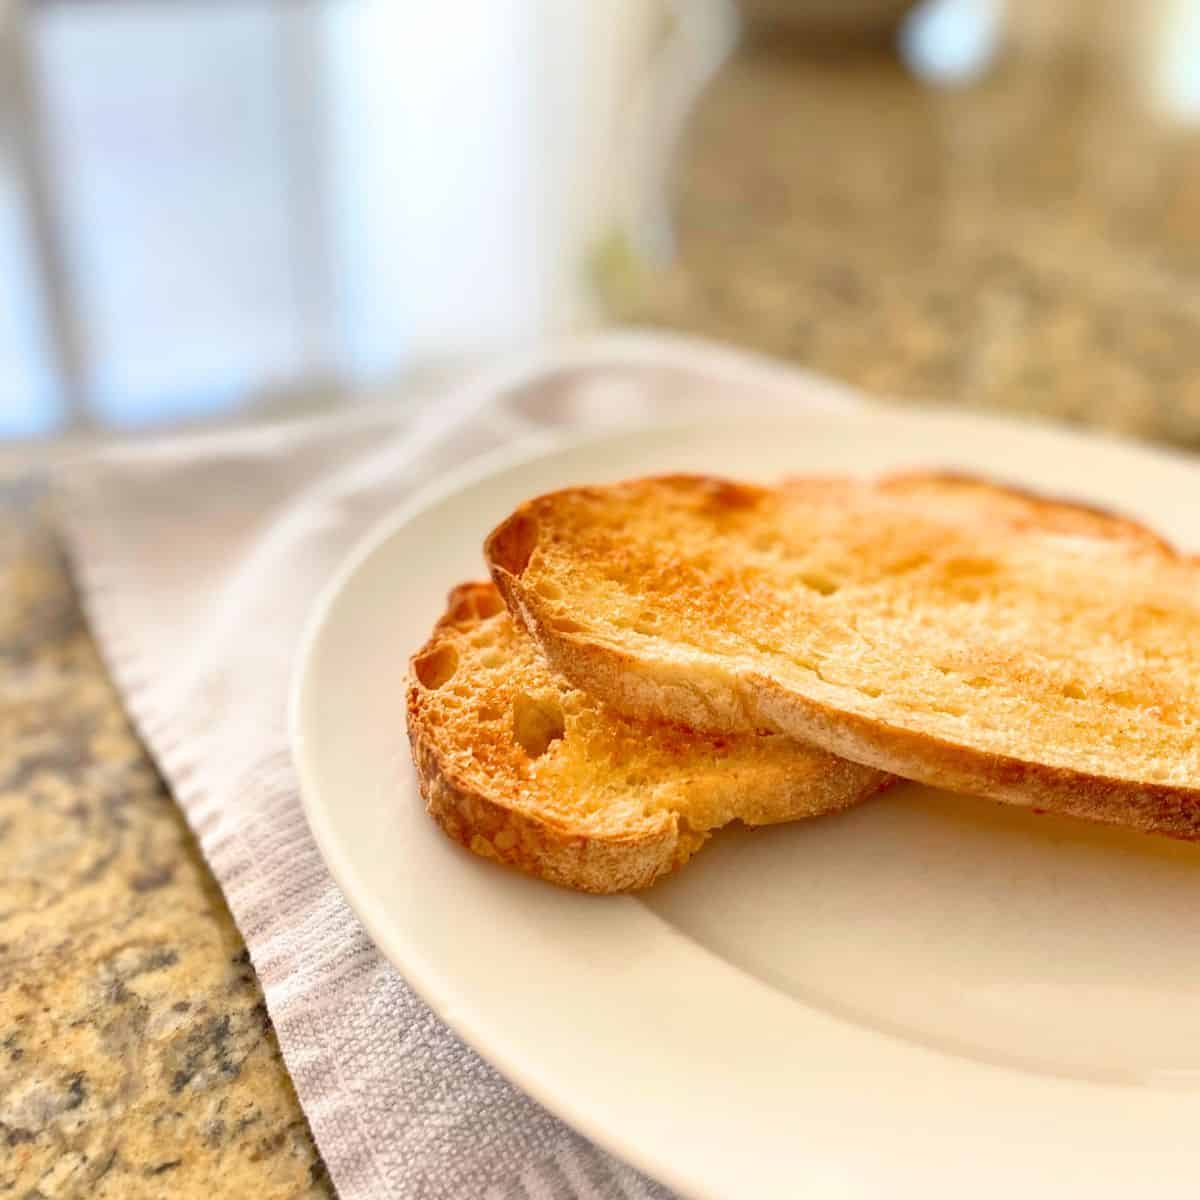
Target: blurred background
219	209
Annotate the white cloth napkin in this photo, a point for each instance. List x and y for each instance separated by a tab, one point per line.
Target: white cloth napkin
198	558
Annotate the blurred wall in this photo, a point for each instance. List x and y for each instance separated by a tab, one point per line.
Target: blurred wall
265	196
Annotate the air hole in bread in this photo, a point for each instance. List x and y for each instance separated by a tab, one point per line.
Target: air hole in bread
511	546
537	723
548	589
436	667
474	603
819	583
978	682
566	625
487	602
969	568
903	566
1074	691
463	611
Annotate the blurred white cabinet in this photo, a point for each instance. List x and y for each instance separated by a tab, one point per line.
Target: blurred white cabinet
30	398
249	195
166	128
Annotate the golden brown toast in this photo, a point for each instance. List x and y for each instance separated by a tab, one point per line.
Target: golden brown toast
945	630
522	767
950	495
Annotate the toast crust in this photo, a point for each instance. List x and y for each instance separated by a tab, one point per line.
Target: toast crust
527	809
597	863
714	687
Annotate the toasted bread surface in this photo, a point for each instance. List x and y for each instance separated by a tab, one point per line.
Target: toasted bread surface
942	629
522	767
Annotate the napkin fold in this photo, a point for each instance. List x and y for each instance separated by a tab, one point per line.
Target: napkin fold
198	558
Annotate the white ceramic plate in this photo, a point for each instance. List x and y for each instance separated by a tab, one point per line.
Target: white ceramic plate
927	996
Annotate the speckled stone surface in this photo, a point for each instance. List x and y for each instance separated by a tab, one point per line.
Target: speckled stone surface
1030	242
136	1055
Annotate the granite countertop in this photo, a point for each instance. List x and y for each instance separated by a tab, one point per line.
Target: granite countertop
136	1055
1029	242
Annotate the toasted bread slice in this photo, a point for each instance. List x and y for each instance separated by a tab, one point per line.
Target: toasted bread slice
961	497
522	767
984	640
